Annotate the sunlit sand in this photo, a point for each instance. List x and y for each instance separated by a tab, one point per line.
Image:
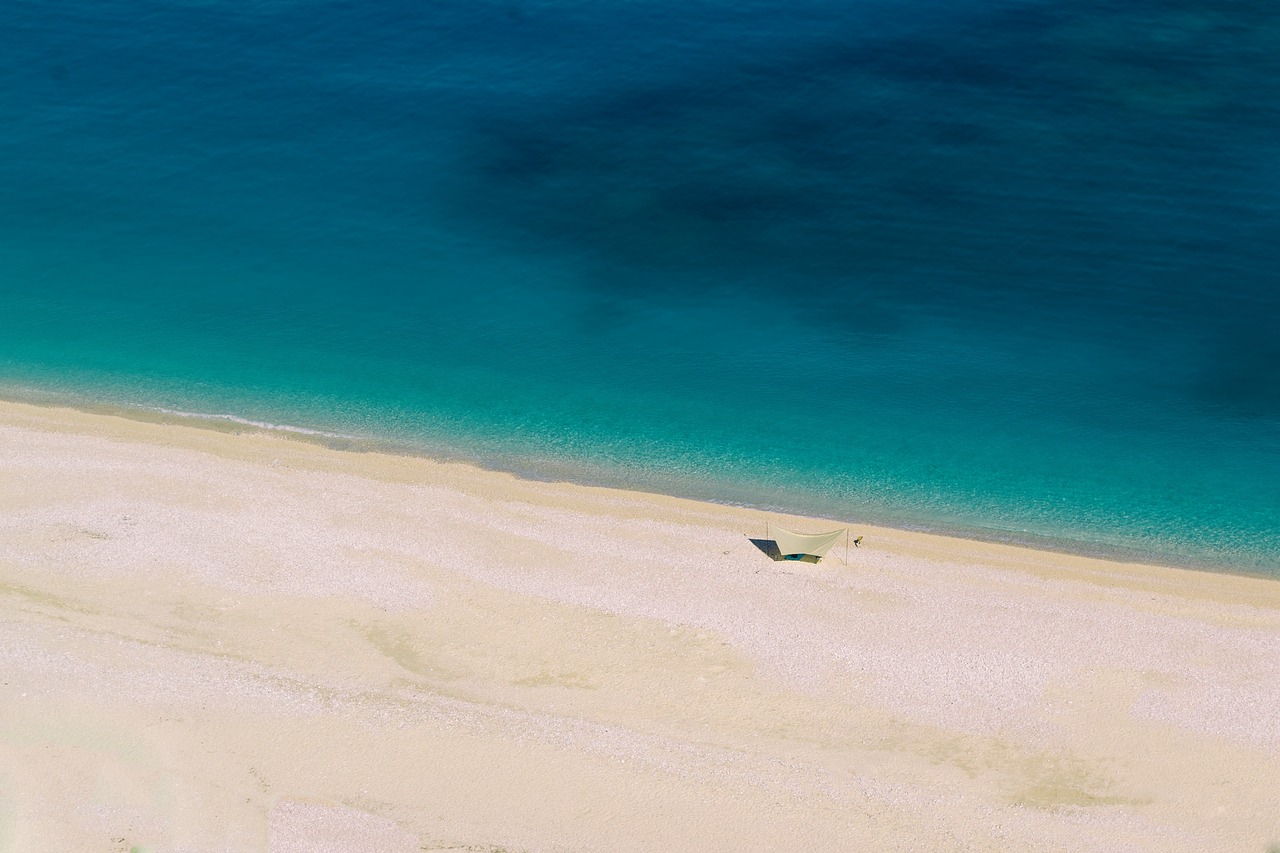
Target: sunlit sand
220	641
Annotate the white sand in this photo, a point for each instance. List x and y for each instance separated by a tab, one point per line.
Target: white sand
231	642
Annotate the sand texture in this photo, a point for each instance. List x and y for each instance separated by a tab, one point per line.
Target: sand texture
238	642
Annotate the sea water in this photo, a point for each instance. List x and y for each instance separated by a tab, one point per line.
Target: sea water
1003	269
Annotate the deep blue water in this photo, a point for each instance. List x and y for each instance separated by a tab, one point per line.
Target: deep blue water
1008	269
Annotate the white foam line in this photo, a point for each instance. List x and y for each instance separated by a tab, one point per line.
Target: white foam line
251	423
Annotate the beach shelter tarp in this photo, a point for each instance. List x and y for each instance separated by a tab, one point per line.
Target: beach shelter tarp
813	544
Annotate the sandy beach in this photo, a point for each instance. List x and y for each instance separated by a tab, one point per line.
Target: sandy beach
213	641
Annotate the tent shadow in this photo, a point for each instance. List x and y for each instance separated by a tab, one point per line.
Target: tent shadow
770	549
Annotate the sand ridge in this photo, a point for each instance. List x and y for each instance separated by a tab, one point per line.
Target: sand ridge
221	641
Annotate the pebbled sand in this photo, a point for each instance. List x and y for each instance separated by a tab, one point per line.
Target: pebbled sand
212	641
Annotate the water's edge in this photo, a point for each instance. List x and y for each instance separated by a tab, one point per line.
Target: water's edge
552	470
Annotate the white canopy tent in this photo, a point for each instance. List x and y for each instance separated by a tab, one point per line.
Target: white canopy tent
796	545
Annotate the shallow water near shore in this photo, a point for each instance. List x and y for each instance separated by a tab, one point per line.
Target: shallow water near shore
1004	270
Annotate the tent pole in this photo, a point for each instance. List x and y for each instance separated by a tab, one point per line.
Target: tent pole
846	546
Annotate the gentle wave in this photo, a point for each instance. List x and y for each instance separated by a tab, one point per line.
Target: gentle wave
248	422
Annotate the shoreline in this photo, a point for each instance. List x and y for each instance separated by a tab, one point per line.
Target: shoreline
552	470
245	641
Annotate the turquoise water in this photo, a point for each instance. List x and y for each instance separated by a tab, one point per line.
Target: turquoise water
1001	269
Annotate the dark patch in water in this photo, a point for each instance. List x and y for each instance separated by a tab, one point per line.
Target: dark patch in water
1031	164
